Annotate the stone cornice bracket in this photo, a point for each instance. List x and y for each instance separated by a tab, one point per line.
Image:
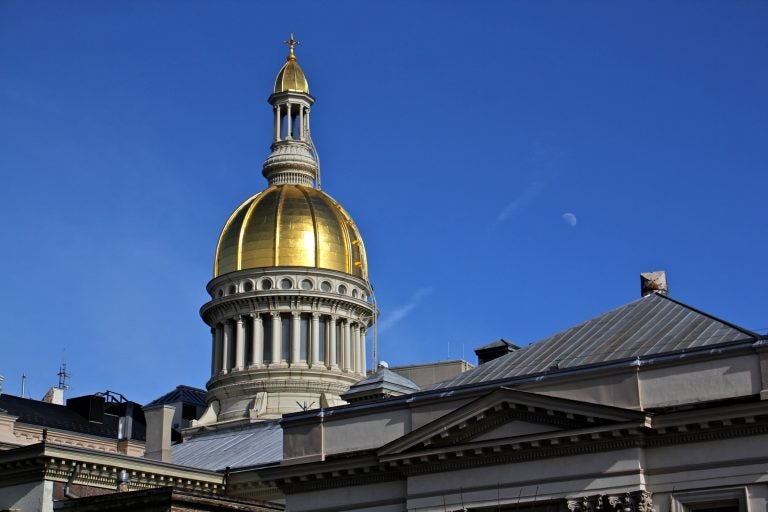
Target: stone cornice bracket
634	501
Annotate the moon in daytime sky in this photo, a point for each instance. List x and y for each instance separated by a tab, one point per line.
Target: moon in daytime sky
570	219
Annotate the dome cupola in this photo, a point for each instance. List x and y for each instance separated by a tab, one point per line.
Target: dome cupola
290	299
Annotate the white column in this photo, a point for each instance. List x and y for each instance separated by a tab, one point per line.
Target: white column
315	340
363	357
258	340
296	338
306	121
347	346
276	336
239	344
288	122
354	366
226	346
333	363
300	122
277	123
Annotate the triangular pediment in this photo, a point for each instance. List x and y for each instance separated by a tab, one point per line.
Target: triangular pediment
507	414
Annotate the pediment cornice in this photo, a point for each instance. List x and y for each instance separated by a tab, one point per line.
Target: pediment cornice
502	406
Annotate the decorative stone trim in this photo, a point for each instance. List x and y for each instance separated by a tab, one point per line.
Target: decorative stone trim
635	501
99	469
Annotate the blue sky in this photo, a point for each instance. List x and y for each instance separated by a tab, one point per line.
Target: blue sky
512	166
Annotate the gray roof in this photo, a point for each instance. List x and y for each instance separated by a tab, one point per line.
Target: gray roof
501	342
652	325
384	379
252	445
183	394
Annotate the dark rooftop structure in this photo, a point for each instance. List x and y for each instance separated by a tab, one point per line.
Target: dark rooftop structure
494	350
183	394
88	414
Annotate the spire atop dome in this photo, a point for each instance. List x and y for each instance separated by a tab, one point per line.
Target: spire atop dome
291	42
291	78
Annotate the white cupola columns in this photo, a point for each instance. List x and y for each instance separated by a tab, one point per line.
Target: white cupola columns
341	340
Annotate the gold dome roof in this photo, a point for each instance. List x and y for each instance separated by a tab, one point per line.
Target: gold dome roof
291	226
291	77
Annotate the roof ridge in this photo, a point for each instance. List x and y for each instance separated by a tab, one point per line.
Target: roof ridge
708	315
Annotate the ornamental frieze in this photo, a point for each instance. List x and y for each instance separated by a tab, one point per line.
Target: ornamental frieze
636	501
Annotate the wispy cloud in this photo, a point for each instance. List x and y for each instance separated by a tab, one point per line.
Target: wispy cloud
570	219
525	198
401	312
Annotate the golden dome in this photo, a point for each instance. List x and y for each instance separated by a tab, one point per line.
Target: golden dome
290	226
291	77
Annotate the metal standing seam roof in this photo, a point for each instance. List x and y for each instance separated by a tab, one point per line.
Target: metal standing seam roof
654	324
384	379
183	394
251	445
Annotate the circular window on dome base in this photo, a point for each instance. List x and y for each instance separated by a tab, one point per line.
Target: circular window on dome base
326	286
342	289
307	284
265	284
286	284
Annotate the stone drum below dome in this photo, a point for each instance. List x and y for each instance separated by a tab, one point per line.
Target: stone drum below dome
291	226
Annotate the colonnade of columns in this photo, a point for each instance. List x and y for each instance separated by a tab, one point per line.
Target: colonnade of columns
307	340
285	116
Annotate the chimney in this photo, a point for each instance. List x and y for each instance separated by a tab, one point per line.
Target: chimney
653	282
54	396
494	350
158	438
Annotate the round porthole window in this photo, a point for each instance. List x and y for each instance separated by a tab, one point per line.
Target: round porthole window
248	286
342	289
306	284
325	286
266	284
354	293
220	293
286	284
232	289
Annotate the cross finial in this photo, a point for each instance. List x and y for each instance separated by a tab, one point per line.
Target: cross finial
291	43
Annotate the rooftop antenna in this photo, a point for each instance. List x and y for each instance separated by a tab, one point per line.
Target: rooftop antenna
375	340
23	383
318	185
63	376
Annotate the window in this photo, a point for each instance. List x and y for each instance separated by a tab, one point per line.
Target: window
285	329
733	499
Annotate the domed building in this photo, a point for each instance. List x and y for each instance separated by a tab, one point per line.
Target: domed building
290	298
